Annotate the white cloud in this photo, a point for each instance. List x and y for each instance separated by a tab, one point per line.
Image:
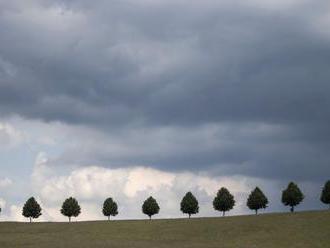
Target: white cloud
144	179
2	203
15	214
10	136
129	187
6	182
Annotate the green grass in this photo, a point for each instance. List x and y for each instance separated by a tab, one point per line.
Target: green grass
305	229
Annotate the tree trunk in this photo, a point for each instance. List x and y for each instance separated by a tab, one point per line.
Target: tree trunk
109	217
189	215
292	209
223	213
30	219
150	217
256	211
69	219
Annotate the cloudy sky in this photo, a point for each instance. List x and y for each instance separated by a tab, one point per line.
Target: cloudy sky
131	98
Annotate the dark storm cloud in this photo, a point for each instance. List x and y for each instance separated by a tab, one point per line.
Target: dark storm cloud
174	65
180	64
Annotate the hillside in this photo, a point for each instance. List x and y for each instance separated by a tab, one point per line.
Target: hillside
305	229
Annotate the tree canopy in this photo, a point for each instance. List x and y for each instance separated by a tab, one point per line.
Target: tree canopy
110	208
257	200
70	208
292	196
325	195
150	207
31	209
224	201
189	204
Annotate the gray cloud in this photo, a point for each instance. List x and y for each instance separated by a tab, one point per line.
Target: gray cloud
122	66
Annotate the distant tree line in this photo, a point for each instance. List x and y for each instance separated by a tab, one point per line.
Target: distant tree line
224	201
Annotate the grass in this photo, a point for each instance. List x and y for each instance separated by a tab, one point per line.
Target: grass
305	229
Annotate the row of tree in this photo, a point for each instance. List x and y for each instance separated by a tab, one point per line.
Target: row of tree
224	201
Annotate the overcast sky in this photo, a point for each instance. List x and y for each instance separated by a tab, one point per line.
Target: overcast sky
131	98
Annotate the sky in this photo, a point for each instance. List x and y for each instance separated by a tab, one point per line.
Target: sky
132	98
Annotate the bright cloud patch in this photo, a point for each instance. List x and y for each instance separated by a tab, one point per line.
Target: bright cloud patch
9	136
128	186
2	203
5	182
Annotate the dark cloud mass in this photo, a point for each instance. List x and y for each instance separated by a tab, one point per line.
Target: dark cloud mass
116	65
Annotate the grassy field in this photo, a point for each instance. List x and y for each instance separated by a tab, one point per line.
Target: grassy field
306	229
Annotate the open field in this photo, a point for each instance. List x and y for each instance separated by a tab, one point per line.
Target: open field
305	229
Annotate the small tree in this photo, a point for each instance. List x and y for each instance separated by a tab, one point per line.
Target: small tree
150	207
292	196
325	196
70	208
110	208
257	200
189	204
224	201
31	209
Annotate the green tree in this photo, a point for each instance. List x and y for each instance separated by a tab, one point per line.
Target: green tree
224	201
150	207
31	209
292	196
325	196
110	208
189	204
257	200
70	208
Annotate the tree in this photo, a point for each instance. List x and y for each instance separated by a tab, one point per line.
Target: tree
257	200
31	209
224	201
70	208
189	204
292	196
110	208
325	196
150	207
